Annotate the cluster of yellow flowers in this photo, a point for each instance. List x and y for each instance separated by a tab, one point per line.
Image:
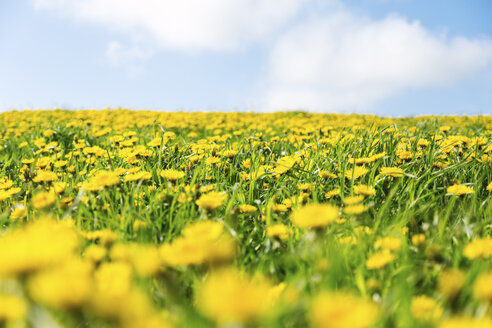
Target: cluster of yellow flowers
161	219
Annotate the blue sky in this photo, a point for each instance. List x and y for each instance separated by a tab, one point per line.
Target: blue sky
388	57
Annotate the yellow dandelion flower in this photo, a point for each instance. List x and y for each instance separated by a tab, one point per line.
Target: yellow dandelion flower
390	243
425	309
364	190
40	244
314	215
45	176
352	200
279	230
230	296
327	175
482	287
379	260
342	310
95	253
418	239
138	176
479	248
210	201
355	209
43	199
465	322
459	190
68	286
11	308
331	193
392	171
101	179
172	175
451	282
246	208
279	208
18	212
355	172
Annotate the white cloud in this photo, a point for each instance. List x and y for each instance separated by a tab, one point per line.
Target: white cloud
342	62
186	25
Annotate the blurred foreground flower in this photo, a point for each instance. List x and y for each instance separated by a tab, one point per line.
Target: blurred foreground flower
37	245
229	295
342	310
314	216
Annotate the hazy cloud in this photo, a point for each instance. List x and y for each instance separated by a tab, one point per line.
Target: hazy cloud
189	25
342	62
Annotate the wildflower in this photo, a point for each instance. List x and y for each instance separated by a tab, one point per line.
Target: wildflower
11	308
363	230
104	236
418	239
279	230
356	172
349	240
138	176
212	160
451	282
352	200
37	245
206	189
67	286
342	310
466	322
205	241
60	163
364	190
113	285
392	171
459	190
314	216
327	175
425	309
18	212
45	176
101	179
230	296
489	186
482	287
6	194
390	243
284	164
144	259
355	209
210	201
43	199
139	225
156	142
279	208
479	248
172	175
246	208
95	253
59	187
332	193
379	260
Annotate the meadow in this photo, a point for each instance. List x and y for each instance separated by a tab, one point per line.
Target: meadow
119	218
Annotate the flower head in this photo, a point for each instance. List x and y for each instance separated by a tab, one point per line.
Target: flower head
314	215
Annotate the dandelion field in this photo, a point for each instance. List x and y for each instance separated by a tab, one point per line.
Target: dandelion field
157	219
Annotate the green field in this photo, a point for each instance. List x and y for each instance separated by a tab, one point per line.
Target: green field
171	219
